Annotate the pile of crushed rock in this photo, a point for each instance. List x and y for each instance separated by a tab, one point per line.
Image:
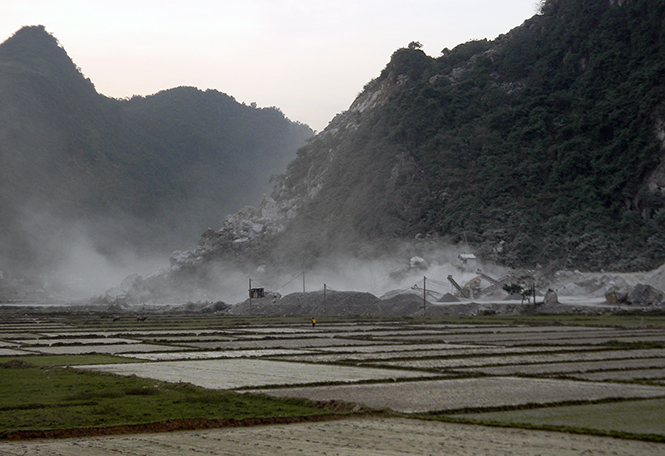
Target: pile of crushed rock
318	303
640	289
332	303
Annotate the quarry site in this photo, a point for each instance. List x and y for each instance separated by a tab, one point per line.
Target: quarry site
412	286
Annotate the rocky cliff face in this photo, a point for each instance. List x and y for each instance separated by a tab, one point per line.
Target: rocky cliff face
656	180
252	228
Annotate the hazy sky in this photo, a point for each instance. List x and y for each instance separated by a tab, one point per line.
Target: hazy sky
310	58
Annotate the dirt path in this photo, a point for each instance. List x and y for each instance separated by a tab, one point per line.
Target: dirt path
370	436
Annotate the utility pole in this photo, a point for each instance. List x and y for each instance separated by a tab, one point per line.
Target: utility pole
324	294
424	295
250	295
303	281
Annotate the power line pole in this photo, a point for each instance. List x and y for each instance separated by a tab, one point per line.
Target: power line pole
424	295
303	281
250	295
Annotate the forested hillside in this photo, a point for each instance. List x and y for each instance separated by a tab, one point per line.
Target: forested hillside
145	175
542	147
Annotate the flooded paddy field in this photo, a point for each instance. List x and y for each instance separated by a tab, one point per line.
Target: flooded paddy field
241	373
521	360
623	375
425	367
411	354
111	349
476	393
214	354
590	336
250	342
569	368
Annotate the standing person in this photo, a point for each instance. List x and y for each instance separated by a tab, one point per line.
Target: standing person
313	322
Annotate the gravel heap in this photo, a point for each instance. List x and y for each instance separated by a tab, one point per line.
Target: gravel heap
402	305
656	278
314	304
351	303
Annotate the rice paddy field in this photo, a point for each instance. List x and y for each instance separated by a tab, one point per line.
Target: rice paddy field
602	376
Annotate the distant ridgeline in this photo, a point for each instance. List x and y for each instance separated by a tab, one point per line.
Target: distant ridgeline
146	174
544	146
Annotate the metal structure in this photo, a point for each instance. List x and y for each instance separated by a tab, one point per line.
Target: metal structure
472	289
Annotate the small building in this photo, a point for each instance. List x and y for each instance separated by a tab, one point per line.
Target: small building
256	293
468	261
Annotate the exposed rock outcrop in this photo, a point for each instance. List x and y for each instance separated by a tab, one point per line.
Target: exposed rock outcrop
645	295
239	231
242	231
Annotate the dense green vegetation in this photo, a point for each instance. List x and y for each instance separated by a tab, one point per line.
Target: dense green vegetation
535	148
65	360
146	174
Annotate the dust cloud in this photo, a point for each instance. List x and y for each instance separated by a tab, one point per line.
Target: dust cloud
46	254
396	273
404	270
83	271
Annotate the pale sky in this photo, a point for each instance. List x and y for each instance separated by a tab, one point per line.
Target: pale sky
310	58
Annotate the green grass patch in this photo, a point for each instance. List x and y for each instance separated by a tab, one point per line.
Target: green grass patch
46	398
65	360
641	419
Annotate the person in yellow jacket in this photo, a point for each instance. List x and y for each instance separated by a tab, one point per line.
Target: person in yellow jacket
313	322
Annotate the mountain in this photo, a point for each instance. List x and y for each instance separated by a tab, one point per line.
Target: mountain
139	176
542	147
